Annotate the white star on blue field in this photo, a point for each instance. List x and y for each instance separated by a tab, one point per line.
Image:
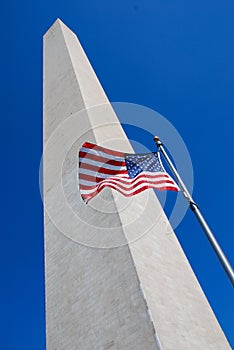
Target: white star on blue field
142	162
175	57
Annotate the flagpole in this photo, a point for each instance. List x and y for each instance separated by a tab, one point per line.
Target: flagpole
195	209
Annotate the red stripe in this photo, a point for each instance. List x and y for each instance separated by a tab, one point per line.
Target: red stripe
120	179
100	159
127	194
103	149
102	170
93	178
85	187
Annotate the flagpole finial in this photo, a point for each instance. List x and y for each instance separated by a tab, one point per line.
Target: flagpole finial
156	138
157	141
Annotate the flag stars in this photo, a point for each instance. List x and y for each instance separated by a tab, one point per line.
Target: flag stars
143	162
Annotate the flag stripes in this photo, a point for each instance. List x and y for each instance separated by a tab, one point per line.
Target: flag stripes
100	167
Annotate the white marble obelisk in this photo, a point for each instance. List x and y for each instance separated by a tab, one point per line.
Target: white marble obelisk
102	293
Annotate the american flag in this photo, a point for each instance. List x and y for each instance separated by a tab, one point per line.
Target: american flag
129	174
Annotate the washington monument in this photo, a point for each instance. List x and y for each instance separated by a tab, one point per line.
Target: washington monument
108	285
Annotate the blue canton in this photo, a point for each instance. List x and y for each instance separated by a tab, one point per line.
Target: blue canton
136	163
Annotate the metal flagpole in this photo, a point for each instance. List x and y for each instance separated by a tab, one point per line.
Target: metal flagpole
194	207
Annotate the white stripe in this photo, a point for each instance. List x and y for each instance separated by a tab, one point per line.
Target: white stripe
104	184
102	154
127	179
125	176
102	165
97	174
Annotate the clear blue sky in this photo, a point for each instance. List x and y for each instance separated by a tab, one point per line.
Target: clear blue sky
176	57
